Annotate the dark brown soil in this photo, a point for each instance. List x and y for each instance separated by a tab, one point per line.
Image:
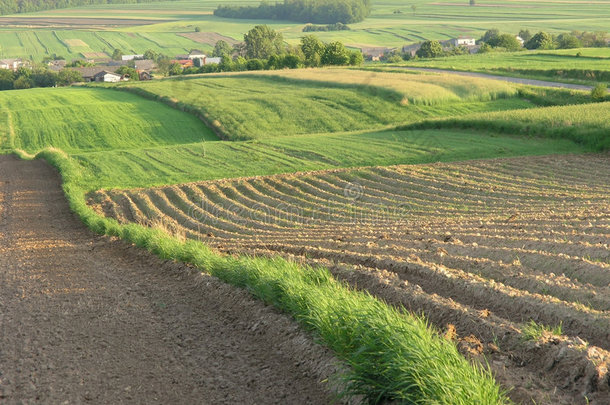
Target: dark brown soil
87	319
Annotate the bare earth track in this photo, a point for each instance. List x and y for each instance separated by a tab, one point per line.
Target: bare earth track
85	318
480	247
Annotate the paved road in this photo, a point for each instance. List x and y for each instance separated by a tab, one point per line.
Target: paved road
518	80
84	318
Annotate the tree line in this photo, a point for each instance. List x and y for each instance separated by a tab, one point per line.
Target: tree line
25	78
28	6
307	11
264	49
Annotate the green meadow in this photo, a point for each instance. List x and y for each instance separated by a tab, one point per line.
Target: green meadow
248	106
278	125
78	119
587	65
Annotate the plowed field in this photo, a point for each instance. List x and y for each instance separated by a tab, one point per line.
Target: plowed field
481	248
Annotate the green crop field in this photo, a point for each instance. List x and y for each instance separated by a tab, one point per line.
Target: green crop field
587	65
246	106
77	119
161	26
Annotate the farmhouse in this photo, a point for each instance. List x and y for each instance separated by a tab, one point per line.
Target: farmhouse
184	62
89	73
144	65
521	40
56	65
212	61
374	53
196	54
12	64
464	41
108	77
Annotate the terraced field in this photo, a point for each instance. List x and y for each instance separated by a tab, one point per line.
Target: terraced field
481	247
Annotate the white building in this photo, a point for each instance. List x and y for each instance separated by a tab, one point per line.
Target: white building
464	41
131	57
12	64
212	61
521	41
196	54
108	77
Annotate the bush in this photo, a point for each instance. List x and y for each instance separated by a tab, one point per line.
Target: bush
599	92
430	49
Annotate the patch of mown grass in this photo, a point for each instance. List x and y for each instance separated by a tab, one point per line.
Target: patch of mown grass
392	354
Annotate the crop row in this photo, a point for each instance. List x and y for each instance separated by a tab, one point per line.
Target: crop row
516	239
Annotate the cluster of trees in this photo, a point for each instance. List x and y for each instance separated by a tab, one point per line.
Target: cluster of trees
28	6
327	27
25	78
264	49
568	40
308	11
494	40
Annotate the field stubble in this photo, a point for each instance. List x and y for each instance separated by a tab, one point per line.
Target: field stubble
481	247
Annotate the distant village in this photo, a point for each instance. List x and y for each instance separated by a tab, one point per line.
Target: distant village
113	71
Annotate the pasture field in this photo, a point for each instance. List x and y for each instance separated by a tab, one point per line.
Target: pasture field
585	65
249	105
481	247
384	28
77	119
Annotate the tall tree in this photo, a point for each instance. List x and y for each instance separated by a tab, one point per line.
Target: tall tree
430	49
312	49
541	40
262	42
335	53
222	49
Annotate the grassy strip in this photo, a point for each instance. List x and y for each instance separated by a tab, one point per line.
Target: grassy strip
393	355
585	124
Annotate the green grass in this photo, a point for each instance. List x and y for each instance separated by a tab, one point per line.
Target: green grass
249	106
195	162
432	20
391	354
592	66
83	119
586	124
534	331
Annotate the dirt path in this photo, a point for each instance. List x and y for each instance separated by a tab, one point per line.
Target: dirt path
85	318
518	80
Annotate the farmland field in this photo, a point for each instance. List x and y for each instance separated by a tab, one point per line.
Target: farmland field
77	119
485	246
587	65
460	199
156	25
247	105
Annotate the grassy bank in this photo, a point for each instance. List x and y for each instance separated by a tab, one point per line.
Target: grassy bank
392	354
585	124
